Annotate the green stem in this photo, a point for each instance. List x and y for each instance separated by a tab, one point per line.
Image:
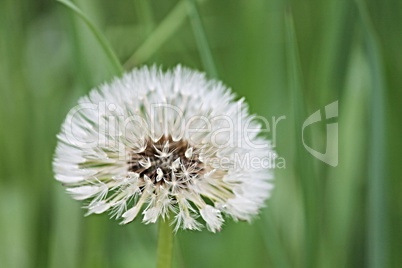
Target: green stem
165	245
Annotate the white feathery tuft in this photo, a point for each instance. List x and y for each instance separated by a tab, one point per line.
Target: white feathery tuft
164	145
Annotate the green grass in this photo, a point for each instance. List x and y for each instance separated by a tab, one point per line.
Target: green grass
288	58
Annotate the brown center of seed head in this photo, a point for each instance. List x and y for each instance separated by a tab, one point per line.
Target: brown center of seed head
164	155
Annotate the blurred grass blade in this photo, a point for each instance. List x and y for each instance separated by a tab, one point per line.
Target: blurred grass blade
200	36
272	241
343	186
65	236
15	221
99	36
145	15
169	25
377	241
303	161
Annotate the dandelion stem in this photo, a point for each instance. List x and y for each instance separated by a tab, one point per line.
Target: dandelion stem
165	245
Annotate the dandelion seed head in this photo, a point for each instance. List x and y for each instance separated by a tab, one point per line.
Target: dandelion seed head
164	145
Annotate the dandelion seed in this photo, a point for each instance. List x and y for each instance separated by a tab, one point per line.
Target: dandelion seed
158	149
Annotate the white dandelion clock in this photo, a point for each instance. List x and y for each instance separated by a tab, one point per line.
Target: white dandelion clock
165	145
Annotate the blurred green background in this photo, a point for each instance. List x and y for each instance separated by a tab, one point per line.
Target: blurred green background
288	58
